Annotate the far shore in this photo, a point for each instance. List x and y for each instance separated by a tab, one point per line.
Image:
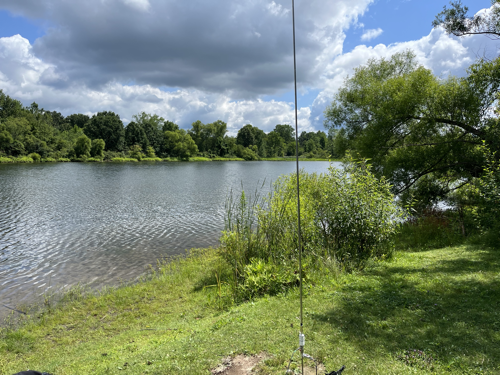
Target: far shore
28	160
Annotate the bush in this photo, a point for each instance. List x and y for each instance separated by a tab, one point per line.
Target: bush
24	159
49	160
347	216
82	147
36	157
4	159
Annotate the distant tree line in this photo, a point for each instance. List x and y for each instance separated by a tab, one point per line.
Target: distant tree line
48	134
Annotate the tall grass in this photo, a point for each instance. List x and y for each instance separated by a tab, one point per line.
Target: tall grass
347	217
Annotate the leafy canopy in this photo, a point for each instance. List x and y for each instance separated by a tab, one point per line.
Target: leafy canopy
420	131
456	21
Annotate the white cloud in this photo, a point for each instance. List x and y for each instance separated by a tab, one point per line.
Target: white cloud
277	9
24	76
371	34
142	5
441	53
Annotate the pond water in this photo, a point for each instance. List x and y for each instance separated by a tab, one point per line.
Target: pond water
102	223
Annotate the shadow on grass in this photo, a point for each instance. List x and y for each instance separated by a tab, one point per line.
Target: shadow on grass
450	308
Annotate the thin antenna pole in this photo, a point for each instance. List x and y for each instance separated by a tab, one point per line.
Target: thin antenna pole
298	191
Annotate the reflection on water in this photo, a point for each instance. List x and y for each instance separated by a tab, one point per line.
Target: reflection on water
61	224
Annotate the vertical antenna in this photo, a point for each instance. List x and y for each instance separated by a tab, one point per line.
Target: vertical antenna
301	334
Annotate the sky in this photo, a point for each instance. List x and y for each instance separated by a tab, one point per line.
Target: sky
229	60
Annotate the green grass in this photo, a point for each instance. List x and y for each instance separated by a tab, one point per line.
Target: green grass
444	303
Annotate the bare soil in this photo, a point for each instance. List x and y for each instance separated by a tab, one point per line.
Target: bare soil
244	365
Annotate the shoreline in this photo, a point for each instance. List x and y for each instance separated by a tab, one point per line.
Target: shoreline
5	160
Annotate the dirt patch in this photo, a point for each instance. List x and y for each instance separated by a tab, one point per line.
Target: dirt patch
239	365
244	365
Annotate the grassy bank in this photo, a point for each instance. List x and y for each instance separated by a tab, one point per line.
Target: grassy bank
442	303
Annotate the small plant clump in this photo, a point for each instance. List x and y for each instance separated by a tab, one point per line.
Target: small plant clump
417	358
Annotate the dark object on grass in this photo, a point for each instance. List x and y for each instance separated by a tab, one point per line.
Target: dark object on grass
338	372
10	308
31	372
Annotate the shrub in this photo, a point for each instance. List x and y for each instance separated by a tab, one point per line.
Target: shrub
97	148
4	159
24	159
36	157
347	216
48	160
83	146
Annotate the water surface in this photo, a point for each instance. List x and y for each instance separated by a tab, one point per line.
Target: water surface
99	223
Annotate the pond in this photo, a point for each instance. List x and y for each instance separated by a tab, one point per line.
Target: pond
101	223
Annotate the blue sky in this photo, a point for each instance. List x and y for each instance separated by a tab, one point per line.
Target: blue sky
228	60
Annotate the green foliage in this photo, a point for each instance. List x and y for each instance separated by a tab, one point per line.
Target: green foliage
4	159
97	148
83	146
455	20
431	229
347	216
489	191
419	131
23	159
180	144
107	126
153	127
49	160
36	157
150	152
9	107
136	152
266	278
5	141
135	135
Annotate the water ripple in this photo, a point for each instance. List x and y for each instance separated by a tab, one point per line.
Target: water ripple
63	224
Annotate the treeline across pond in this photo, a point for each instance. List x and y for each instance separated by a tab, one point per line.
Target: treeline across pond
33	134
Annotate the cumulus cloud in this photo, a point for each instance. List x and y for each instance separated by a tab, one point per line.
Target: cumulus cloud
371	34
238	47
104	55
28	78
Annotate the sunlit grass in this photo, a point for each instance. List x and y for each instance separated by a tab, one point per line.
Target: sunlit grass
444	304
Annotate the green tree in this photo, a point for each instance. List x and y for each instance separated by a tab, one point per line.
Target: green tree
456	21
170	126
419	131
77	119
135	135
196	134
153	129
275	144
150	152
136	152
6	140
10	107
245	136
109	127
180	144
83	146
97	149
286	132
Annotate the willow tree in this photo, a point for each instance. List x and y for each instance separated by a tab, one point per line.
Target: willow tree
422	132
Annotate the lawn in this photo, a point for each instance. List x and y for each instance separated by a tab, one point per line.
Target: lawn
434	311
